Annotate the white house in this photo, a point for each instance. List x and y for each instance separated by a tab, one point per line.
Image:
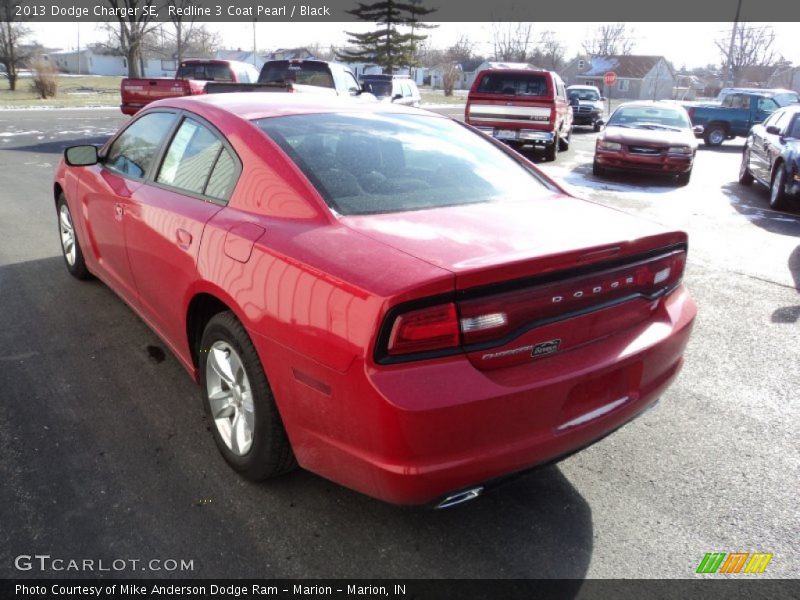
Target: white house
101	61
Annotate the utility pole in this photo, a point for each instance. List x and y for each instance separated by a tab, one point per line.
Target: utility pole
733	40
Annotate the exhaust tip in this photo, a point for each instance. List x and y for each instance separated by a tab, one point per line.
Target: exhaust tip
460	498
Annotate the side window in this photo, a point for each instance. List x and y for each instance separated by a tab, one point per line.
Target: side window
767	105
793	131
351	83
727	101
223	177
782	120
190	157
133	151
772	118
406	89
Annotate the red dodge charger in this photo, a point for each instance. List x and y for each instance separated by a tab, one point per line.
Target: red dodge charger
379	294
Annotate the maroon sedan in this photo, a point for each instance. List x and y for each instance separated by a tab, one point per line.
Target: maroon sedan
647	137
377	293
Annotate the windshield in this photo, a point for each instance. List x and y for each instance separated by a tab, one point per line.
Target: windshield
366	163
590	95
378	87
303	73
205	72
515	84
649	117
786	98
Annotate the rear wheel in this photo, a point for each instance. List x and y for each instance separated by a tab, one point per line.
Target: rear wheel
715	135
551	151
70	247
778	198
745	177
246	425
564	141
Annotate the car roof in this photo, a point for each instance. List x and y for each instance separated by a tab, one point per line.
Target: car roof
259	105
582	87
651	104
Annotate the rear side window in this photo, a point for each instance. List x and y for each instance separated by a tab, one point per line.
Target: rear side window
190	157
513	84
794	129
364	163
223	177
134	150
303	73
205	72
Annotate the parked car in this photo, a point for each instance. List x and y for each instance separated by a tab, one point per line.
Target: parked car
771	156
190	78
734	117
647	137
521	106
399	89
375	292
587	105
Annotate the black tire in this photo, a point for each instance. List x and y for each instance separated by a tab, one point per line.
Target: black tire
76	265
596	126
714	135
778	198
563	143
551	151
597	170
745	176
270	453
683	178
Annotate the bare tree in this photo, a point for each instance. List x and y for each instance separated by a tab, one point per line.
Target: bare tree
752	47
132	30
610	39
183	28
12	32
511	41
549	52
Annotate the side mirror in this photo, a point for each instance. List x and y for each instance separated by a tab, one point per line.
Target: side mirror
81	156
771	129
397	97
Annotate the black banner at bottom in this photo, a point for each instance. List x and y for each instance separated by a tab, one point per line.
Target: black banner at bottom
405	589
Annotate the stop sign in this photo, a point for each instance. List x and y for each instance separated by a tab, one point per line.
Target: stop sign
610	78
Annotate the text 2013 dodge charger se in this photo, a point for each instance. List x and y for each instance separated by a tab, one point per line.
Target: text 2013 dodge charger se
376	293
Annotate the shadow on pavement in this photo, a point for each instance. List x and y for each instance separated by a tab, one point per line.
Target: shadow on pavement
753	203
790	314
106	453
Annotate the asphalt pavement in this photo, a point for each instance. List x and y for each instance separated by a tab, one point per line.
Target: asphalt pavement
105	453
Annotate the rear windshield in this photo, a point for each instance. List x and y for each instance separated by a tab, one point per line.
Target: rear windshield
514	84
205	72
379	163
302	73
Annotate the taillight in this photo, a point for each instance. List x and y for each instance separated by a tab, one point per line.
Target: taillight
497	316
424	330
506	313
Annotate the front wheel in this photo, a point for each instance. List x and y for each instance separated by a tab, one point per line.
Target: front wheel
683	178
745	177
777	191
246	425
597	170
70	247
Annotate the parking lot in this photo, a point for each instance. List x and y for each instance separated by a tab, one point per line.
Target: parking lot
105	453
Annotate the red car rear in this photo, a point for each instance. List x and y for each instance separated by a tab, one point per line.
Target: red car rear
521	106
376	292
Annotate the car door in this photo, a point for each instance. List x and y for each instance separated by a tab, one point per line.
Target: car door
774	147
106	194
164	226
760	150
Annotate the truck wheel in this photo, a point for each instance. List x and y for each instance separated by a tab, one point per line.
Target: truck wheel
551	151
596	126
715	135
745	177
239	403
563	143
777	192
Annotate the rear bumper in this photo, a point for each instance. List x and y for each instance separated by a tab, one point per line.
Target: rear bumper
625	161
411	433
131	109
523	136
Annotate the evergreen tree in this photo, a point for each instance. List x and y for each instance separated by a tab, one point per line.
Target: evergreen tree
387	46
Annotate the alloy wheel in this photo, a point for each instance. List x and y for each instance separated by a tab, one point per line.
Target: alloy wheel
230	397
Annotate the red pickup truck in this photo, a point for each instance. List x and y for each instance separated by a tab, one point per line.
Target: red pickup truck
521	106
190	79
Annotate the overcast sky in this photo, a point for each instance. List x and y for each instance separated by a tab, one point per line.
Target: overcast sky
690	44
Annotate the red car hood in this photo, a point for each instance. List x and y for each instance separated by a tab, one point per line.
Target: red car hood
662	137
497	241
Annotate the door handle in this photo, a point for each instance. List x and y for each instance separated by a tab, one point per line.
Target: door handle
184	238
119	211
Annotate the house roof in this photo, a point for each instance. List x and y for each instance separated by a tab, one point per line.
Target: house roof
625	66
